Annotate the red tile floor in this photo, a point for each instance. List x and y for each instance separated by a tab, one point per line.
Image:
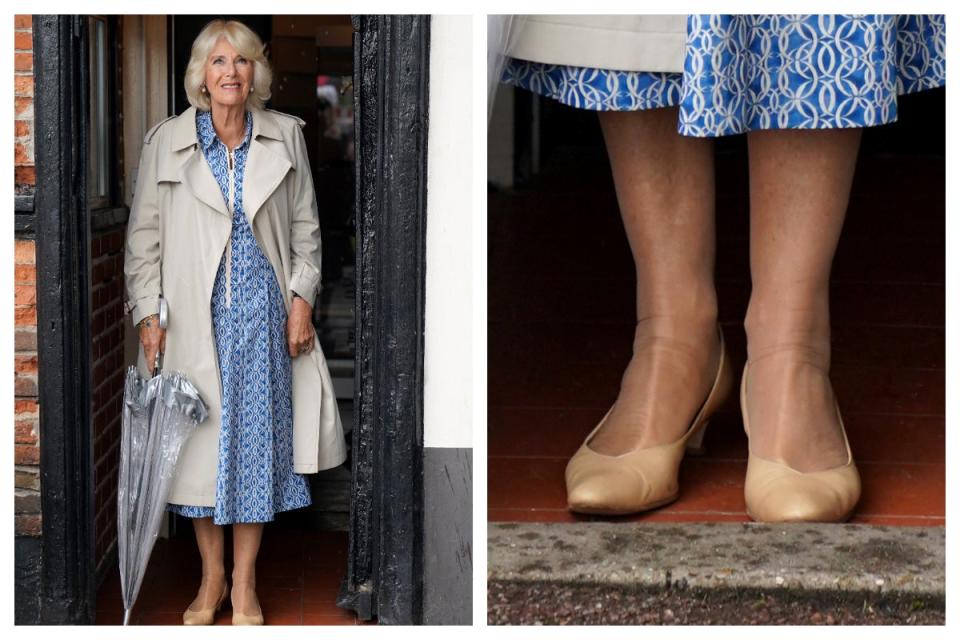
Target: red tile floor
298	575
560	309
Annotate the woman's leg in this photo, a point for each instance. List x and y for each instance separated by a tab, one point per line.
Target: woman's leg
210	543
665	188
799	188
246	546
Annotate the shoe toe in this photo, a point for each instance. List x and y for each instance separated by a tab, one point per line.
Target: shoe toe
609	489
789	496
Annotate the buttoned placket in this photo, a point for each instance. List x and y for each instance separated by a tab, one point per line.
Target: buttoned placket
231	167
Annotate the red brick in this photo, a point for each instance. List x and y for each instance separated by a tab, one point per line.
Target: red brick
23	86
25	274
21	105
25	432
22	407
25	364
25	315
26	454
25	294
27	525
23	21
21	128
25	175
23	41
20	154
25	252
23	62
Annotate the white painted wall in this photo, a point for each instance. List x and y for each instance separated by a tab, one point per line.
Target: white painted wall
449	296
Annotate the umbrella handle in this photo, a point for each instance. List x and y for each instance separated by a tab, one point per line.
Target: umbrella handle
163	325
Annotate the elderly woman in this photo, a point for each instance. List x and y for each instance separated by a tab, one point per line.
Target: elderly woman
224	227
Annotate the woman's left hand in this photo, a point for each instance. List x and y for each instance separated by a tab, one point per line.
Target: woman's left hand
299	327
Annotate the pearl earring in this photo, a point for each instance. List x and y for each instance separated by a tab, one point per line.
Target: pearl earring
203	88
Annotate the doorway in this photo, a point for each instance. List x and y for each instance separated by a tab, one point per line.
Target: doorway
376	333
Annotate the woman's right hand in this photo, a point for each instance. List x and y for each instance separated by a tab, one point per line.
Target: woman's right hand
153	339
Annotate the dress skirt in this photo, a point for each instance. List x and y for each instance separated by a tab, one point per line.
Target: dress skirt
255	477
748	72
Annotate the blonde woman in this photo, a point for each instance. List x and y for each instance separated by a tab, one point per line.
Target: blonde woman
224	227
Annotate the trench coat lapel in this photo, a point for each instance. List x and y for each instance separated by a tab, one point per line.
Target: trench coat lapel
194	170
267	163
199	178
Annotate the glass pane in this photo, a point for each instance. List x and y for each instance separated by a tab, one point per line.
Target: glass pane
99	135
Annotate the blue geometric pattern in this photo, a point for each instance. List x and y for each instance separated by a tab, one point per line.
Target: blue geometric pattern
748	72
255	477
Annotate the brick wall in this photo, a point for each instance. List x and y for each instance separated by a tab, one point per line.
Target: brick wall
26	407
25	177
106	354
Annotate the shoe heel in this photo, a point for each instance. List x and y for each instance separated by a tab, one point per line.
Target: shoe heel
694	446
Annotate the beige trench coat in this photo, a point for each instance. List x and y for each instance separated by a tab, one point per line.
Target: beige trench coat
179	228
625	43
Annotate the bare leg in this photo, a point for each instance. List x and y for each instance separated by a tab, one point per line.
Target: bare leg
799	189
665	188
210	543
246	546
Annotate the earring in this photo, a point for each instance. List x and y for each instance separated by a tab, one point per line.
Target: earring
203	88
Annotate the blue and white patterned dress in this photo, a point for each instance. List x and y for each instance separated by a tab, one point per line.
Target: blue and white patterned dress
255	477
747	72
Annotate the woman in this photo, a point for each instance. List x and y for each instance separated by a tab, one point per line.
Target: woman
801	88
224	226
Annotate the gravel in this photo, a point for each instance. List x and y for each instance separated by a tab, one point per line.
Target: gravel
524	603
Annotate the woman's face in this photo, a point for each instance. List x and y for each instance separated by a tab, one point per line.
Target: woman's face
228	76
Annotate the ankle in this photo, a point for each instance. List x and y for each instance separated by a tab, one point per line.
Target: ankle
788	332
244	580
213	576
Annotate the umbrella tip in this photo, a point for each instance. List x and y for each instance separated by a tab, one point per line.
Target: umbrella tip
126	616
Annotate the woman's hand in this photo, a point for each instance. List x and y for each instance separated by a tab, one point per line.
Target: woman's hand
153	339
299	327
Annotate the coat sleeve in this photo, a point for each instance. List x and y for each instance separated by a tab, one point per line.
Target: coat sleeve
141	264
305	248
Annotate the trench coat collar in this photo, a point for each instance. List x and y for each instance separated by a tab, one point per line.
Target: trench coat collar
267	163
185	128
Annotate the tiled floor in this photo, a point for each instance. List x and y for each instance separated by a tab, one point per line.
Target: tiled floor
298	576
560	307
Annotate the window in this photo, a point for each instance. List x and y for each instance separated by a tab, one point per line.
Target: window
98	184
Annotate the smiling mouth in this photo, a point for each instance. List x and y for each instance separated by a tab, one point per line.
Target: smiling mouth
230	86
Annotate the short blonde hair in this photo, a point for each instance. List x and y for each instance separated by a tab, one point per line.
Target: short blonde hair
246	42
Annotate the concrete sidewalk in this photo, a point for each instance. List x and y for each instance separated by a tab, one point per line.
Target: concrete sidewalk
854	573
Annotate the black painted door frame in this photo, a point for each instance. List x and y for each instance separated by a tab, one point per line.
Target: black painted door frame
391	69
384	577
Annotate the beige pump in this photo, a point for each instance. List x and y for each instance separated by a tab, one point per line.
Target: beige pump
775	492
205	616
641	479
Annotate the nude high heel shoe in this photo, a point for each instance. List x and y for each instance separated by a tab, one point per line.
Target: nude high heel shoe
775	492
641	479
205	616
243	619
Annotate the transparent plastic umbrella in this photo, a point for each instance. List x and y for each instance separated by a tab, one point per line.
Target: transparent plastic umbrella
159	414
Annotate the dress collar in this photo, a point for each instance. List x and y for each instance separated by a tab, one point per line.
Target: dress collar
207	134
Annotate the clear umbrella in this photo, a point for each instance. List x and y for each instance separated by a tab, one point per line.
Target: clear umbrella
159	414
